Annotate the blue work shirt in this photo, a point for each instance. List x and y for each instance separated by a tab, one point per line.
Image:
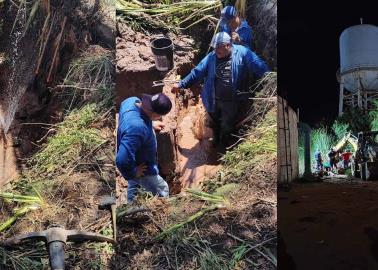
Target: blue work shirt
244	31
318	156
136	140
243	63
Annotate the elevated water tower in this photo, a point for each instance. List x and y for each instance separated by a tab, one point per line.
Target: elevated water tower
358	75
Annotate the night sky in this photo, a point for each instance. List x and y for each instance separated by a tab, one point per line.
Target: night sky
308	52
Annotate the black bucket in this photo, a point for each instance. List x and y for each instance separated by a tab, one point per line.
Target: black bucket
162	48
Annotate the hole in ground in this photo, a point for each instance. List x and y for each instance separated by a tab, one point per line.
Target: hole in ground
185	154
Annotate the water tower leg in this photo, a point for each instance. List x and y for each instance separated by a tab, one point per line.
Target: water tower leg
359	98
366	100
341	99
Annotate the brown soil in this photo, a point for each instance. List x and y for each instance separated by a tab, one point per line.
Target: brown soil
184	151
8	160
196	156
329	226
35	91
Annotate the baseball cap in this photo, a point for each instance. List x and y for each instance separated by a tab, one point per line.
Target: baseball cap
228	13
220	38
159	103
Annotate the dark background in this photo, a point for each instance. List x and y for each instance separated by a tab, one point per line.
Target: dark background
308	52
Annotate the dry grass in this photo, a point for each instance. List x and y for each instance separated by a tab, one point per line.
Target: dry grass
170	14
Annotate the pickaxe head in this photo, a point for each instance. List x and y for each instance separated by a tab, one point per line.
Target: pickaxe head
106	202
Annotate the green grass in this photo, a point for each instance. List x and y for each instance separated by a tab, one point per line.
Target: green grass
340	129
323	140
90	78
374	116
261	142
237	255
74	137
21	260
209	260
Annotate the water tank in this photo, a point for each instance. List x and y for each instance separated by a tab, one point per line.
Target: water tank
359	57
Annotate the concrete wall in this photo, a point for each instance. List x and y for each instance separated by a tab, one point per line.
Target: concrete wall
287	121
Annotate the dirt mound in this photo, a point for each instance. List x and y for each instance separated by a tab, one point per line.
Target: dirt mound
136	70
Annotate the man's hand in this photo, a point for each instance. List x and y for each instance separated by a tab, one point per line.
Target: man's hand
235	37
175	89
140	170
158	125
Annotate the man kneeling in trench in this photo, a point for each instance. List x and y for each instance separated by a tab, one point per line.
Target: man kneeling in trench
137	146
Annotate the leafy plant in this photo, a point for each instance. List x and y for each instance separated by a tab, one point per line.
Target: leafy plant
340	129
357	119
323	140
374	116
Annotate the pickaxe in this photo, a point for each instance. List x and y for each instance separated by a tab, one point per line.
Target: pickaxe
56	239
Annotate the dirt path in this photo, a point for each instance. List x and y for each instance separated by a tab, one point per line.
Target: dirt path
329	226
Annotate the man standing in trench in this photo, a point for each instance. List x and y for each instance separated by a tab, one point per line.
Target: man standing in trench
137	146
226	71
237	27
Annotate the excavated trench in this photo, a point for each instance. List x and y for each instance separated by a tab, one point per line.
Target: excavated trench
31	104
185	155
31	64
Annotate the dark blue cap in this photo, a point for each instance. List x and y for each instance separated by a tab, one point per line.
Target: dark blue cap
159	103
228	13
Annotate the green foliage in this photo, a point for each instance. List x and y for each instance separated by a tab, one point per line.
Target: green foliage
11	259
374	116
91	78
348	172
73	138
209	260
323	140
301	152
237	255
357	120
340	129
199	249
263	141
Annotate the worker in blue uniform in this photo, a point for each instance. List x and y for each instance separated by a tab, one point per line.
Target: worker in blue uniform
318	160
226	71
137	146
238	28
